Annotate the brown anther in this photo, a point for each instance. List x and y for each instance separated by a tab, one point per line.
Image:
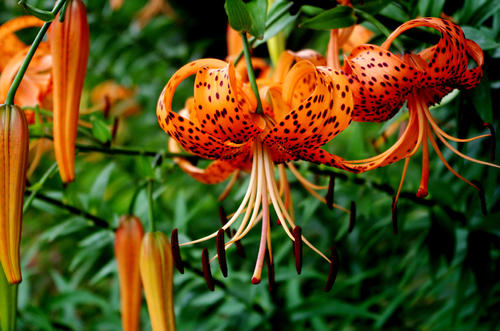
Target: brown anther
330	193
206	269
352	216
394	209
107	106
240	249
223	217
221	252
270	273
492	141
482	197
334	268
114	129
176	253
297	248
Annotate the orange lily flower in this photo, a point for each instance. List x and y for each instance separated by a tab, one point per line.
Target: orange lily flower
69	42
156	266
310	106
383	81
14	142
128	241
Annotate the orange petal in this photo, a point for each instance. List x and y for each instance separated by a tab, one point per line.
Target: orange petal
69	42
186	132
156	265
128	239
14	147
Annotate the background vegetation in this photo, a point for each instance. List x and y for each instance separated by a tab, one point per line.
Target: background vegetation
440	272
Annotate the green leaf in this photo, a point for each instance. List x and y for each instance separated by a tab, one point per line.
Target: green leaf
338	17
372	6
100	130
482	13
481	99
258	13
480	37
238	15
278	18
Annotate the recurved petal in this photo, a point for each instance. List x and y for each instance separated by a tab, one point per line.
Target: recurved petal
186	132
380	81
319	107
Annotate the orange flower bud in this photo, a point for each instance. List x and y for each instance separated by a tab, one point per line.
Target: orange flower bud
69	45
14	146
157	276
127	247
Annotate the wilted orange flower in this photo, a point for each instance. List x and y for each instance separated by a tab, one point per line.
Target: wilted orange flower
128	239
383	81
14	142
156	267
69	42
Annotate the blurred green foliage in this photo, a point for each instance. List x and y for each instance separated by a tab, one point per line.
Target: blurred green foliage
440	272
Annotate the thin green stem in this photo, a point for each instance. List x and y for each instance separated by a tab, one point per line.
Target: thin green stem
35	188
251	74
9	100
134	198
152	225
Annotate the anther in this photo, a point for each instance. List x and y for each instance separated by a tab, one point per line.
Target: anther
223	217
352	216
206	269
329	194
394	216
334	268
492	141
221	252
482	197
270	273
239	246
297	248
176	254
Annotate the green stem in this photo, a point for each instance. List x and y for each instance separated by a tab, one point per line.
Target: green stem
8	304
97	221
134	198
152	224
35	188
251	74
9	100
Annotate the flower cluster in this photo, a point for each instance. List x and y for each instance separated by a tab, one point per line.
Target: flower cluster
306	103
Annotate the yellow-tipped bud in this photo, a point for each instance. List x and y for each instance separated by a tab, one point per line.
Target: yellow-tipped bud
157	276
14	146
128	241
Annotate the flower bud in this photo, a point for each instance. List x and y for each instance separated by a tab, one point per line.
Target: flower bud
157	275
69	45
14	146
127	248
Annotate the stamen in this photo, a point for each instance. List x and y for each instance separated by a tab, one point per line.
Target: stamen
482	197
206	269
424	179
297	248
223	219
352	217
229	186
403	175
334	268
493	141
330	192
176	254
394	216
221	253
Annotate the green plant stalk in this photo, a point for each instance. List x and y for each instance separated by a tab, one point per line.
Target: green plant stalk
8	304
251	74
9	100
152	225
35	188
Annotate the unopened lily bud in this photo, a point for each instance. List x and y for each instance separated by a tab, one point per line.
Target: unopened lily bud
128	239
157	275
69	45
14	146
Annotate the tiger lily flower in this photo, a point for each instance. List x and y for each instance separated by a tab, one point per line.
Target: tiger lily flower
128	239
156	266
36	83
14	144
69	44
303	112
383	81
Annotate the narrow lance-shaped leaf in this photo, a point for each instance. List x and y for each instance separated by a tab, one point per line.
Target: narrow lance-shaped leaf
14	146
69	43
